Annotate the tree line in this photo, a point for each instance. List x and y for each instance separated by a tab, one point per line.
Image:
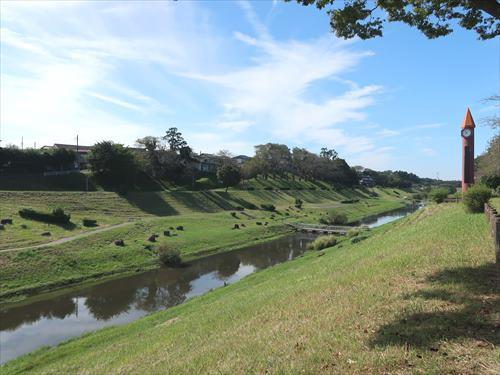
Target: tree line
32	161
171	159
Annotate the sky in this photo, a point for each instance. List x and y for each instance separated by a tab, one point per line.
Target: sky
234	74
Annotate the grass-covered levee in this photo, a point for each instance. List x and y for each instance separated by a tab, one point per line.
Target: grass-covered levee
420	295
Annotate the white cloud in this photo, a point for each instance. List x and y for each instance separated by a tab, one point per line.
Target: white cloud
271	93
74	82
387	133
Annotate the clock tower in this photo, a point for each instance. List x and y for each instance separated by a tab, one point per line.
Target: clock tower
467	133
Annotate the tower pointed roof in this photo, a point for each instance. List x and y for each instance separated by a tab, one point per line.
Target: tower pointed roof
468	121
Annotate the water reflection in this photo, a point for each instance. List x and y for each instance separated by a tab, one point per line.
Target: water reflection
378	220
58	318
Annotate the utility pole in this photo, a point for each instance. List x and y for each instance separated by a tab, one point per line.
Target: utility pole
22	143
77	154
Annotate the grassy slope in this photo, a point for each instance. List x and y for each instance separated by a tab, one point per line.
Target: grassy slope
208	229
110	208
418	296
495	202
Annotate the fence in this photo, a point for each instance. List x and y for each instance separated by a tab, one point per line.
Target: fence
493	218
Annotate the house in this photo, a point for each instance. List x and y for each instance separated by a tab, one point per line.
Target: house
367	181
80	151
207	163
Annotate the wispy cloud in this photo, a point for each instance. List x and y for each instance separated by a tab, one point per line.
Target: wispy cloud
84	79
271	93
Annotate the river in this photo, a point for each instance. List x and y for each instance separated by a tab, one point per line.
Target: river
50	319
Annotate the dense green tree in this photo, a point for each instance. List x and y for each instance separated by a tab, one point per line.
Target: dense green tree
112	163
16	161
249	169
174	139
273	158
229	175
434	18
329	154
488	164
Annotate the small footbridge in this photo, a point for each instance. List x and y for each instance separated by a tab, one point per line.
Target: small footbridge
322	229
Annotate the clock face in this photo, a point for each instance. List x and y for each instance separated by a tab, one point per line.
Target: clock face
466	133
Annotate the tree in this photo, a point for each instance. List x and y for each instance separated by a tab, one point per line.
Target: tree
174	139
249	169
273	158
112	163
487	164
328	154
365	19
229	175
152	145
493	121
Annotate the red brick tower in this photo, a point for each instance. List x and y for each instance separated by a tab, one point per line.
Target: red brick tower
467	133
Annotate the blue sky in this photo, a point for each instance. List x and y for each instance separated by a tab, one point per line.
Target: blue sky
231	75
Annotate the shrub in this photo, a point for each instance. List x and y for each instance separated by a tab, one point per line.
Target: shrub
475	198
322	242
56	217
358	239
268	207
239	208
334	218
169	256
251	206
438	195
268	188
89	222
298	203
353	233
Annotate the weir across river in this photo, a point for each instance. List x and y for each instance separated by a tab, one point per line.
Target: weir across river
324	229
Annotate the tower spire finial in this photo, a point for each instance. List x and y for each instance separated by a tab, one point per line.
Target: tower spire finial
468	121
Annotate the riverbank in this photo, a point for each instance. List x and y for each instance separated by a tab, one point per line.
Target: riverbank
95	257
419	295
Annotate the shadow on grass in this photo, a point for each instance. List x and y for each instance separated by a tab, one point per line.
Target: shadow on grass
150	202
474	298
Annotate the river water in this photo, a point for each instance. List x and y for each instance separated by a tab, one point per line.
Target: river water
53	318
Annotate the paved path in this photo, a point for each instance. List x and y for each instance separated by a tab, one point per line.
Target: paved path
72	238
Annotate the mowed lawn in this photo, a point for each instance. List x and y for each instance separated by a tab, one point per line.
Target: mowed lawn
418	296
110	208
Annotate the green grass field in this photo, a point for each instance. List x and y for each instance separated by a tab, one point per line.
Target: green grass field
418	296
110	208
495	202
206	217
